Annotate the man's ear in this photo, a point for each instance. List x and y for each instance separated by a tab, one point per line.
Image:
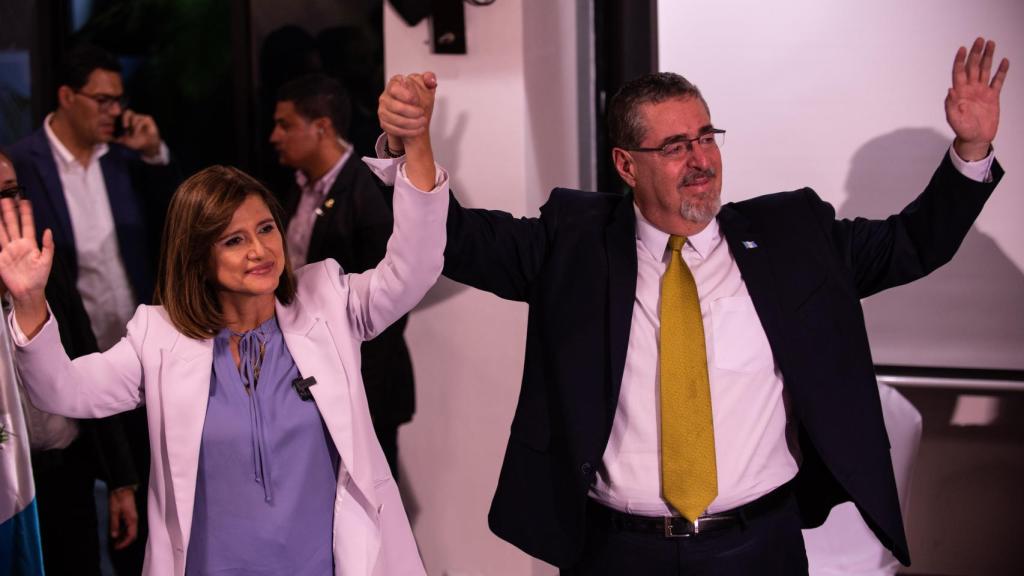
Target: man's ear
323	127
64	96
625	166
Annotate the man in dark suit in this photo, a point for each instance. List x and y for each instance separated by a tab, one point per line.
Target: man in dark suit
337	209
698	382
104	199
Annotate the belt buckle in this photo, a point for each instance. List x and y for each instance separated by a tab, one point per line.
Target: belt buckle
670	533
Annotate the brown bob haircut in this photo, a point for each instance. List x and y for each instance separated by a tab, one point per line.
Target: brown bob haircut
200	211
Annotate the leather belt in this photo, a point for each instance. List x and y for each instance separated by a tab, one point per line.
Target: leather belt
679	527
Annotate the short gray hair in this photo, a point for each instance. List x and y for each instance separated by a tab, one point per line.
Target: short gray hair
626	127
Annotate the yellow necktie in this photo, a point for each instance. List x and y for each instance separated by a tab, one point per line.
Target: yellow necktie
688	475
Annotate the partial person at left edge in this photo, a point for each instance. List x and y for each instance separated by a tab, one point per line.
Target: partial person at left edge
104	197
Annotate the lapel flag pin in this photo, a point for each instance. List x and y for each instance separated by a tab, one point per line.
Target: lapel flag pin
328	204
748	244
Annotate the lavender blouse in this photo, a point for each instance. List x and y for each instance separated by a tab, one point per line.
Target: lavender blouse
267	468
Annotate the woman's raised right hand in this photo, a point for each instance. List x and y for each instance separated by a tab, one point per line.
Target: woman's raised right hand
24	267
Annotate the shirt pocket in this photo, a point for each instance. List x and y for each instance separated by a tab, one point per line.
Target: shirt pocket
739	341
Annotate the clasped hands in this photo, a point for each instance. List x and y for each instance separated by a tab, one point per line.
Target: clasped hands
405	109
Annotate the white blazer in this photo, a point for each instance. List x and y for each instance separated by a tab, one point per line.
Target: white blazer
332	314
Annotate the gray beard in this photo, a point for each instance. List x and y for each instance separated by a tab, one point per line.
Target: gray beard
700	210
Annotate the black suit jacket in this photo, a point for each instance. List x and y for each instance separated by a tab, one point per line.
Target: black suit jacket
353	228
139	194
576	267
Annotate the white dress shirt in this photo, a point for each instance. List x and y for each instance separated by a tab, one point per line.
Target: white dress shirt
747	396
102	279
300	228
755	447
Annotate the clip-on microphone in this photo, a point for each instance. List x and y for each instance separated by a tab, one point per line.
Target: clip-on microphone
302	385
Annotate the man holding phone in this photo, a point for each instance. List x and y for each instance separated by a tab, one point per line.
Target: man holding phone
104	196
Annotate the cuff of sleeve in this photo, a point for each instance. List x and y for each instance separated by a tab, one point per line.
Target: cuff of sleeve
383	166
162	158
380	148
440	179
17	336
979	170
385	169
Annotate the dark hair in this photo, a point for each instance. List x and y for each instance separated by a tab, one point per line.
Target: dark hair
625	123
81	61
201	209
319	96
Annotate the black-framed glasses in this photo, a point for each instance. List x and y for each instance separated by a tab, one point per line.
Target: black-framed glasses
680	147
106	101
14	192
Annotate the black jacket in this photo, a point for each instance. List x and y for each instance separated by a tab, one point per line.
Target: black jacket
576	267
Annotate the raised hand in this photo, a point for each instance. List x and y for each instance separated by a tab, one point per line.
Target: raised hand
972	104
405	108
140	133
24	268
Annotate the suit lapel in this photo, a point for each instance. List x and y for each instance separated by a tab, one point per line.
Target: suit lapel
185	371
128	220
46	170
753	257
312	346
291	201
620	245
323	222
339	394
327	225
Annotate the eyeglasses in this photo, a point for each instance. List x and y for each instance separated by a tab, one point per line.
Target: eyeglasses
14	192
680	147
106	101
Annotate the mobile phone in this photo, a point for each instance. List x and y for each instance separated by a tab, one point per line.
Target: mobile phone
119	129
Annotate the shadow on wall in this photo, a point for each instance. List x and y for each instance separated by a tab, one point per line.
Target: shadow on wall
970	312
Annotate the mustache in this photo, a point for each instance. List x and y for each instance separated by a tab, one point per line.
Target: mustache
692	177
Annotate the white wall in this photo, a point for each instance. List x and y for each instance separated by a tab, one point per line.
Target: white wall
847	97
505	127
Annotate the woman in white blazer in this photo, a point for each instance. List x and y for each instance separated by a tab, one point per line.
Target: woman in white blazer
228	294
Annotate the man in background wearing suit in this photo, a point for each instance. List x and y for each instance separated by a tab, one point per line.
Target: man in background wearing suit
338	210
698	382
104	198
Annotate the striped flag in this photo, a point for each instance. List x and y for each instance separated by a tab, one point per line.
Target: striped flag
20	552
